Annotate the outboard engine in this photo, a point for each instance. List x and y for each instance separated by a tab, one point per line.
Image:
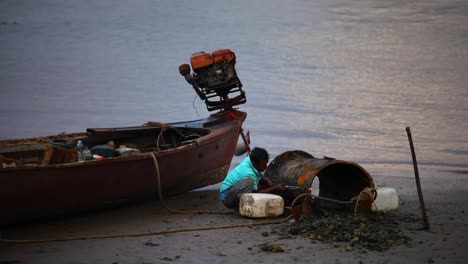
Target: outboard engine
214	76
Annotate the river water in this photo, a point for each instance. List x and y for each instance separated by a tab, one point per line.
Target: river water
336	78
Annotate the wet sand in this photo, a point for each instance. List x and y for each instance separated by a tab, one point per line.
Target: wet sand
445	242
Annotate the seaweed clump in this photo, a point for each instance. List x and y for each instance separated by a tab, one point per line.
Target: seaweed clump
374	233
269	247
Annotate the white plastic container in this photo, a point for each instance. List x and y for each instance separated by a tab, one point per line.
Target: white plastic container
387	200
261	205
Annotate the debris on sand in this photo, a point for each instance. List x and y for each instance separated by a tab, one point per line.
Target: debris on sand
355	232
151	244
269	247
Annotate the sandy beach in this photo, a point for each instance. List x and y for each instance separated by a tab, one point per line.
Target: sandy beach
337	78
445	242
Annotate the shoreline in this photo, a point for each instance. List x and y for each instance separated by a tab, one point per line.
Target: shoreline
445	242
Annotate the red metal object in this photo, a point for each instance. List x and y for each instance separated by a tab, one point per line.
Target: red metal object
201	60
223	55
31	192
214	79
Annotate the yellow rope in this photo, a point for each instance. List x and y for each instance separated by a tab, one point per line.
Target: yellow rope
354	200
34	241
368	191
18	241
158	180
163	128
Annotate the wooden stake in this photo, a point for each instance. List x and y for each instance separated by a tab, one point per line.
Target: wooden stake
418	184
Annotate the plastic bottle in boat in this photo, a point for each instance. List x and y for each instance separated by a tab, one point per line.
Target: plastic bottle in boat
87	153
79	149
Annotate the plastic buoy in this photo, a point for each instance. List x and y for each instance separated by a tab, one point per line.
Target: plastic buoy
261	205
387	200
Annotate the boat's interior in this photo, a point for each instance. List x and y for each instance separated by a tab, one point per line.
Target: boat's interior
103	142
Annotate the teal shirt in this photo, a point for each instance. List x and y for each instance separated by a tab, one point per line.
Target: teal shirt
243	170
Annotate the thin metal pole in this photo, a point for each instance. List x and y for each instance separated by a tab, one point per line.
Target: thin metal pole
418	183
246	141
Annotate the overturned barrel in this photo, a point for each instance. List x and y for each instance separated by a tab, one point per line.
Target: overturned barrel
338	179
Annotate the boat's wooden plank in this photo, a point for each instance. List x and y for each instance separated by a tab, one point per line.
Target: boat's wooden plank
122	130
32	160
47	156
22	147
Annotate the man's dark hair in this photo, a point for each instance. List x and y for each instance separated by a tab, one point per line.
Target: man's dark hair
257	154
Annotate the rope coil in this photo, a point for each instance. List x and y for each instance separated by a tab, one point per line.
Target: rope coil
369	191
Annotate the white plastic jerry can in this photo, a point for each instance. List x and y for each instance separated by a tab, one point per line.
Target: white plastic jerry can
261	205
387	200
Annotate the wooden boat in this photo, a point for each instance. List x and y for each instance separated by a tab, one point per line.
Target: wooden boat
40	177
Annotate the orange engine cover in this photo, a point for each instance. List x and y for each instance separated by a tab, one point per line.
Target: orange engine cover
223	55
201	60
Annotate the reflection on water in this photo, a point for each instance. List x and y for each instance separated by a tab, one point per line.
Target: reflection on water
334	78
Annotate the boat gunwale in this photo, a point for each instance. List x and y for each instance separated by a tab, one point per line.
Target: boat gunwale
215	130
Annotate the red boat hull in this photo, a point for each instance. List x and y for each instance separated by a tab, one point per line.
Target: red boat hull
28	193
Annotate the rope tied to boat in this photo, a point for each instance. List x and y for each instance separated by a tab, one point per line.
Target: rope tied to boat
172	231
160	196
163	127
158	178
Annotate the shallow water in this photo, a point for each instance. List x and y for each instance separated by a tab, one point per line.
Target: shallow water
334	78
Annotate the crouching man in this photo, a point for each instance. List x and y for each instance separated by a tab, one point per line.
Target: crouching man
245	178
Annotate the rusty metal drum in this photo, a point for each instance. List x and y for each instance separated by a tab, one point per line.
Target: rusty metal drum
338	179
